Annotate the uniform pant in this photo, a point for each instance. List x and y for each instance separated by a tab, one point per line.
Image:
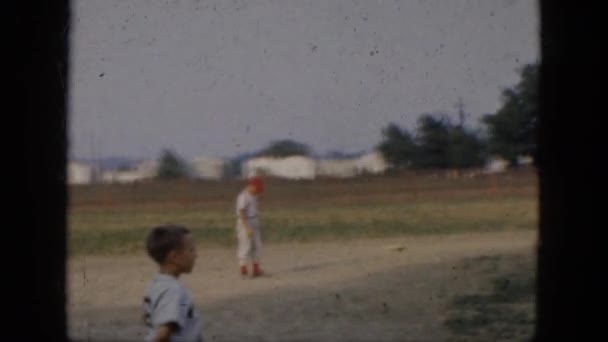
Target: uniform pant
248	248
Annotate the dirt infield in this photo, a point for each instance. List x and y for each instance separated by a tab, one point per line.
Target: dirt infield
391	289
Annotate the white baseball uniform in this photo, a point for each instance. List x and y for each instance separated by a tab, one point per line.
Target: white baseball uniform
248	248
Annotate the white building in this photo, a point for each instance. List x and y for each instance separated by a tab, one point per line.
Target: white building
147	168
372	162
207	168
300	167
115	176
496	165
79	173
525	160
341	168
294	167
142	171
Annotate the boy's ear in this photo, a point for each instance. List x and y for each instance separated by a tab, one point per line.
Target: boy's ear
171	255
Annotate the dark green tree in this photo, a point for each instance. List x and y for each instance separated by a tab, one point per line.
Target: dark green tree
171	166
285	148
397	146
466	149
512	129
433	140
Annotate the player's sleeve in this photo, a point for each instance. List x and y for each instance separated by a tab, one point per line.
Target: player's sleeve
242	203
169	309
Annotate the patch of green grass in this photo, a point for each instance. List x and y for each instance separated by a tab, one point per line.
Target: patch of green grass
105	238
504	313
132	240
121	230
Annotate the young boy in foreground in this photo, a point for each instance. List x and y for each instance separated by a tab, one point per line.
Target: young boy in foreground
169	309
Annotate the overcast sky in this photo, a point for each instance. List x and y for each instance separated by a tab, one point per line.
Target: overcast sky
217	78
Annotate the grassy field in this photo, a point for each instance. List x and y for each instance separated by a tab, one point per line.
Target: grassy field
114	219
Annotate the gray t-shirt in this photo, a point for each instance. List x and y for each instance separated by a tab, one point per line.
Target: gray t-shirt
166	300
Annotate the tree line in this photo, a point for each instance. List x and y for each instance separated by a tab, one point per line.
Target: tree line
439	141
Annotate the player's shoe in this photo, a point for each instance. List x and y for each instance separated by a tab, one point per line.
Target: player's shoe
244	271
257	272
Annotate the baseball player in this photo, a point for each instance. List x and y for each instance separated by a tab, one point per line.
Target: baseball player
248	227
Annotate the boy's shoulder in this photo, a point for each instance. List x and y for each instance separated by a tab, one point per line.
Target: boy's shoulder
162	282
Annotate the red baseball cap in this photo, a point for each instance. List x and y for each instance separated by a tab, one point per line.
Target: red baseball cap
257	182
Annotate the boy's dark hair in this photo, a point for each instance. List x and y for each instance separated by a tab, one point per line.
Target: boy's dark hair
163	239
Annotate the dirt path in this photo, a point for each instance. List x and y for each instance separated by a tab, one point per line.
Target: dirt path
368	290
